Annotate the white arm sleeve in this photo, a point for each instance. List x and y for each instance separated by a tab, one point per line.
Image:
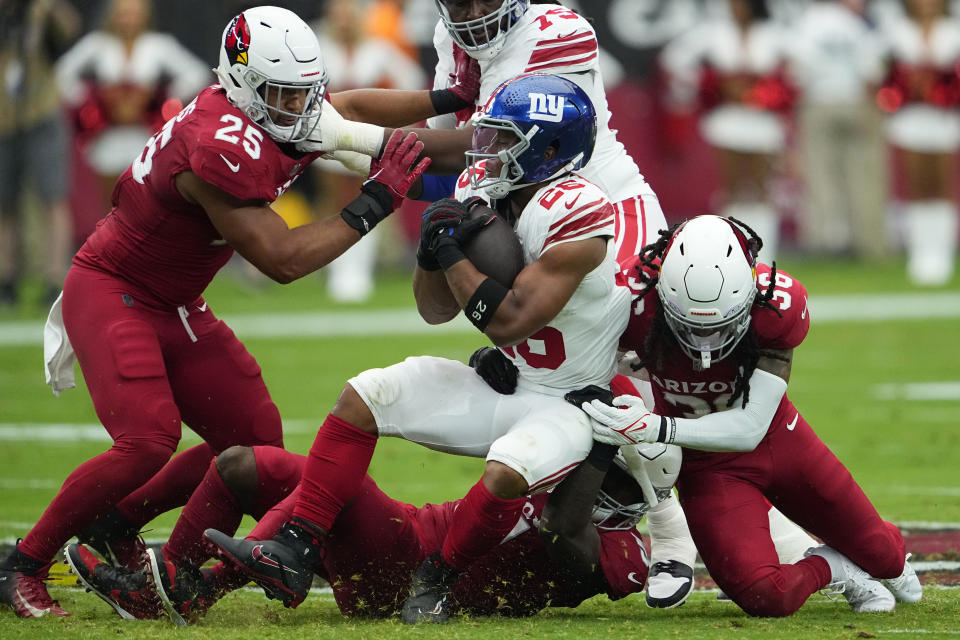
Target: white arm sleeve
739	429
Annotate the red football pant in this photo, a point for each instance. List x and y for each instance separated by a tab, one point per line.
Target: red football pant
723	496
145	374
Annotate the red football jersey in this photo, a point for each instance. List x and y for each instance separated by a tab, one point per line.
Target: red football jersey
681	390
160	243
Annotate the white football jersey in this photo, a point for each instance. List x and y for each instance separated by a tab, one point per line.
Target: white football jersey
579	346
551	39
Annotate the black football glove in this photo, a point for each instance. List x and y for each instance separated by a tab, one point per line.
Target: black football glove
495	369
448	209
588	393
443	236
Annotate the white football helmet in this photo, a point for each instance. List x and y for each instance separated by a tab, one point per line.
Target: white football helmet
655	467
482	38
707	284
266	51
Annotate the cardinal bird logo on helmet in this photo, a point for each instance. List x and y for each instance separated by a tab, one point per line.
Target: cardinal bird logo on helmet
237	41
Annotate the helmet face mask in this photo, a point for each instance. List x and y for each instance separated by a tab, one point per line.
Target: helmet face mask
533	129
483	37
498	143
641	476
272	70
707	285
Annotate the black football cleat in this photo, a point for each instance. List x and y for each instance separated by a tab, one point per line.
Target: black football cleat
274	566
186	592
669	584
429	591
129	592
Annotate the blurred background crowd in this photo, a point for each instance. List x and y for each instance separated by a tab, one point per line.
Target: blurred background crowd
830	126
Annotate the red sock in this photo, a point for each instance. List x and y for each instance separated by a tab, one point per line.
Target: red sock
334	471
170	488
212	506
481	522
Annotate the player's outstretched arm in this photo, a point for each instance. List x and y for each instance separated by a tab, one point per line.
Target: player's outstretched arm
396	108
261	236
741	428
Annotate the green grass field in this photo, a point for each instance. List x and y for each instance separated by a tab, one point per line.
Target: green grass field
847	378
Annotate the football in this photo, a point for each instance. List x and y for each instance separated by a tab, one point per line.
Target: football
495	251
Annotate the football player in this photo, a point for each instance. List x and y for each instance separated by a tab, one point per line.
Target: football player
507	38
717	339
376	543
510	37
152	351
559	322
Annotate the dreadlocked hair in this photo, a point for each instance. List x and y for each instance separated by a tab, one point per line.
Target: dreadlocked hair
660	339
649	254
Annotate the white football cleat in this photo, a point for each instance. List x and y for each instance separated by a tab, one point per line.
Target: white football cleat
863	593
905	587
669	584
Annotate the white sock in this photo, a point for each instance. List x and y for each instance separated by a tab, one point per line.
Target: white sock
789	539
669	536
931	239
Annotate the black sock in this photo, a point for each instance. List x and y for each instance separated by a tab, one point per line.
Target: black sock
19	561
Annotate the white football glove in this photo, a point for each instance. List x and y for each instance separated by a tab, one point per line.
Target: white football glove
333	132
628	422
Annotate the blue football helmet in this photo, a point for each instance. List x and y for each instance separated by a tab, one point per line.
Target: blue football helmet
521	120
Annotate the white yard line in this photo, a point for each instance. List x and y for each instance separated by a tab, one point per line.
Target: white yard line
823	309
921	391
94	432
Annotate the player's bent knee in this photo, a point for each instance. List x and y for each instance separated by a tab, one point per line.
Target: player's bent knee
885	552
237	467
235	464
503	482
773	596
351	408
146	454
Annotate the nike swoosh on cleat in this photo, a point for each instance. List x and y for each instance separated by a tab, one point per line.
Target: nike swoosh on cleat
630	577
36	613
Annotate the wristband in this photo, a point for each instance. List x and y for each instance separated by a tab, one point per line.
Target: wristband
374	203
664	436
446	101
484	302
449	254
602	455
